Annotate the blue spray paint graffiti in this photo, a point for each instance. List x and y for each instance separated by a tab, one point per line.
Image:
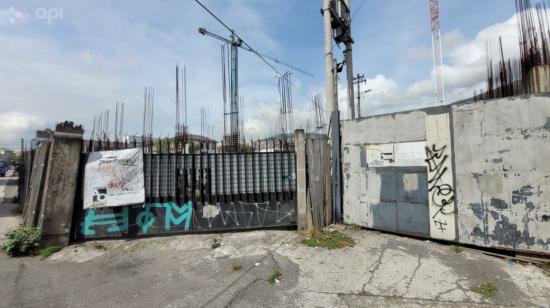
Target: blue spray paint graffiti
146	218
174	215
118	221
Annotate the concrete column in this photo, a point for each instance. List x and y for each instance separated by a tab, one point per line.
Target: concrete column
331	104
58	197
300	148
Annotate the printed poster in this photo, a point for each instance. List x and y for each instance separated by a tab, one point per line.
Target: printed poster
114	178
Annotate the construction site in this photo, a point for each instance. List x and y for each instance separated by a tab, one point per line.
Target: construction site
446	203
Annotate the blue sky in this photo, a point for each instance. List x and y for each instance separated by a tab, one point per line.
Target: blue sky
101	52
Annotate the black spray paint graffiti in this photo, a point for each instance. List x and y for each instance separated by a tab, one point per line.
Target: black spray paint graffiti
442	194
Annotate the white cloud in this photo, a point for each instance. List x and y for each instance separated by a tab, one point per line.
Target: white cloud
15	124
113	56
464	69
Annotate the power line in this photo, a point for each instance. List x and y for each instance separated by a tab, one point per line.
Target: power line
358	9
252	49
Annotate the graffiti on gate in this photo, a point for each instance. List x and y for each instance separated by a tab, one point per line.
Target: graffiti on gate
441	193
247	214
174	215
119	222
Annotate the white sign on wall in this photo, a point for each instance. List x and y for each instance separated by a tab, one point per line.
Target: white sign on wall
396	154
114	178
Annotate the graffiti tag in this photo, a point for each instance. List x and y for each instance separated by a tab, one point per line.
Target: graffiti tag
441	194
174	215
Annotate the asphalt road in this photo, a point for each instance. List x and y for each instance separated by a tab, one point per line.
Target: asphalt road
382	270
8	190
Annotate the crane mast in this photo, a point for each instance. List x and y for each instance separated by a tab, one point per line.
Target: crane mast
231	141
437	54
235	42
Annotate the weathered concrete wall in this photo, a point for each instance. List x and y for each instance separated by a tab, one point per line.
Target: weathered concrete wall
58	196
483	178
502	151
37	174
385	187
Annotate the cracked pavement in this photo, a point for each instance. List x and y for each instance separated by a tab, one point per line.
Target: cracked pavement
185	271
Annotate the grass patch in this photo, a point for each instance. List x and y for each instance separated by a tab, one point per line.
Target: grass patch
235	265
457	249
48	251
329	239
486	289
216	243
275	276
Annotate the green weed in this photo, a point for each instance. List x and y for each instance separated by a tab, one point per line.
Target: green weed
22	240
457	249
48	251
276	275
216	243
486	289
235	265
329	239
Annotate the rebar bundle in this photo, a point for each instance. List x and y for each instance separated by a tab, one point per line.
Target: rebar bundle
523	75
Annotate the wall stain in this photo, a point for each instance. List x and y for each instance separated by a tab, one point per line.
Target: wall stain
497	160
547	124
499	203
506	233
478	210
521	195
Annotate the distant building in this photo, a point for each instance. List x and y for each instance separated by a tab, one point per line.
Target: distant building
200	144
7	155
280	142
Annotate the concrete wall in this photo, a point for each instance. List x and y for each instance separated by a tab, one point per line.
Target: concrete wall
483	177
36	174
502	158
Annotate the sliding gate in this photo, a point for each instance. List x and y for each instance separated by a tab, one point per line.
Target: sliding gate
200	193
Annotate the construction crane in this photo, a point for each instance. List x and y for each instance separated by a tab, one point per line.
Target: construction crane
437	54
203	31
235	42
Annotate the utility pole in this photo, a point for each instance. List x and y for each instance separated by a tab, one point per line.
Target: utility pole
331	104
349	63
337	26
437	53
358	80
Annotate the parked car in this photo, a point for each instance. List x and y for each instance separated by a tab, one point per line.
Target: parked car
3	167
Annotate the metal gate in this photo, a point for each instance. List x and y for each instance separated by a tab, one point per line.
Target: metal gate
199	193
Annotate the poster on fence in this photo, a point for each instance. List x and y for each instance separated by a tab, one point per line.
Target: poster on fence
114	178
